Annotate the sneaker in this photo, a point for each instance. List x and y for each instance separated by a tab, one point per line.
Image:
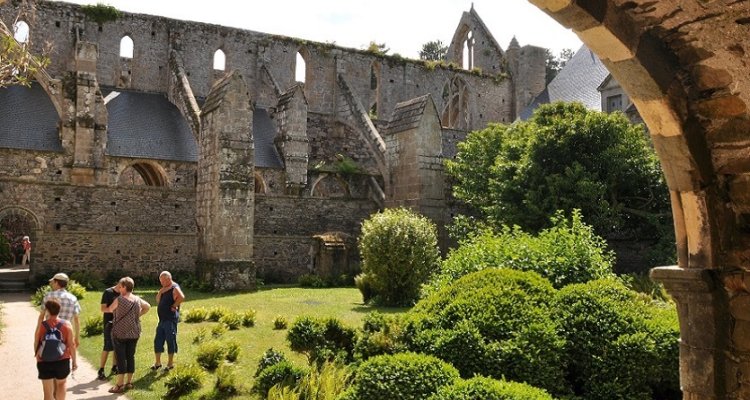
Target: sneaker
114	370
100	375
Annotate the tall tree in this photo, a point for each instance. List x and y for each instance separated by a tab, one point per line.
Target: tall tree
556	63
434	51
565	157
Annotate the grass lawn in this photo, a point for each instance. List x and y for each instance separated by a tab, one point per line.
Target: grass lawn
290	302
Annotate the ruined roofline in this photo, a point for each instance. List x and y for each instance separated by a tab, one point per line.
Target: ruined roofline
256	35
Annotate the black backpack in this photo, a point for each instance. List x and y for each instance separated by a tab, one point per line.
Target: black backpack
51	347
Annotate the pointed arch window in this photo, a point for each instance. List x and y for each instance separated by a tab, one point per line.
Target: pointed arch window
300	68
21	32
126	47
220	60
468	51
456	110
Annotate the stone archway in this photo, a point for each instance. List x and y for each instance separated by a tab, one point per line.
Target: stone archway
17	222
684	64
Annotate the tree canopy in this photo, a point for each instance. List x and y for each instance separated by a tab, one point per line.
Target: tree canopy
17	64
433	51
565	157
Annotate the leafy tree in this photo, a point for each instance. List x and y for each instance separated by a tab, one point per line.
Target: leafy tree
556	63
433	50
565	157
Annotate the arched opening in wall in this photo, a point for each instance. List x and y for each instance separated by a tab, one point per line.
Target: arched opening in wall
220	60
15	223
260	184
126	47
142	174
300	68
329	186
456	113
21	31
467	60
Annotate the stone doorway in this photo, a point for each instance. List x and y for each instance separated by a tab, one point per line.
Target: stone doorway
15	223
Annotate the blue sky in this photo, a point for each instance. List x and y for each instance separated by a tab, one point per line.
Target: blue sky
403	25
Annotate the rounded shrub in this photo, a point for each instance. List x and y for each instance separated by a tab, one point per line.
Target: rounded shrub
231	320
399	253
210	354
380	334
619	343
183	379
403	376
233	350
268	358
322	339
282	373
481	388
364	284
227	383
215	313
497	323
280	322
218	330
198	314
93	325
248	318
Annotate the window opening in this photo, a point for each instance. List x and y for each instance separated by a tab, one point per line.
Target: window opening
220	60
126	47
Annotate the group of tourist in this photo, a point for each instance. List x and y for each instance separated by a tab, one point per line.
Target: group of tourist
58	330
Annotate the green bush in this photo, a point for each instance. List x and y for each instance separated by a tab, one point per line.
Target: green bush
87	280
73	287
233	350
280	322
325	383
210	354
218	330
568	252
183	380
381	334
481	388
399	253
403	376
198	314
282	373
200	335
248	318
620	344
269	357
93	325
322	339
364	284
497	323
215	313
5	251
311	281
226	382
231	320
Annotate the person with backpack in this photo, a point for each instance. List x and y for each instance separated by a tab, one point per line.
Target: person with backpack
126	330
54	349
70	309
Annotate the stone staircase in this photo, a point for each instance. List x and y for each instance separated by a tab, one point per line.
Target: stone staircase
14	279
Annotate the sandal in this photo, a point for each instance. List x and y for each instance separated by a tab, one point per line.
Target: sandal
129	386
155	367
117	389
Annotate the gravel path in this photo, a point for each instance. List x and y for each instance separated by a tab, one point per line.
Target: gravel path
19	376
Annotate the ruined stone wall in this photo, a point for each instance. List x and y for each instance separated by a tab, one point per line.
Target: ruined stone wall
101	228
327	139
285	225
398	79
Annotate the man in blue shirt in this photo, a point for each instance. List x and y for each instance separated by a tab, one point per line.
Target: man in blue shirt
168	298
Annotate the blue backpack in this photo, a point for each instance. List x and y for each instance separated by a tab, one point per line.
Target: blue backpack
51	347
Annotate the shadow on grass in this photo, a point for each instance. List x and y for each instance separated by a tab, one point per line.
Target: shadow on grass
365	309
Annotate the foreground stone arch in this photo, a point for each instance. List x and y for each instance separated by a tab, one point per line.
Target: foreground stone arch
684	64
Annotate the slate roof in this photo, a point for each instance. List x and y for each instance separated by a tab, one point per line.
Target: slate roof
264	132
28	119
407	114
578	81
147	125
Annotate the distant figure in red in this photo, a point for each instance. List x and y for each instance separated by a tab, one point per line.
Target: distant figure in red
26	243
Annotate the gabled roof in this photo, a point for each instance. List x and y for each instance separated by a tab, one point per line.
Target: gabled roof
264	133
407	114
147	125
28	119
578	81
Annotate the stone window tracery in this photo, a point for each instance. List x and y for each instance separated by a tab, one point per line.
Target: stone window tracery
126	47
456	113
467	60
220	60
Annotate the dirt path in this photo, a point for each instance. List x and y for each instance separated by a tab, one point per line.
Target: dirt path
19	376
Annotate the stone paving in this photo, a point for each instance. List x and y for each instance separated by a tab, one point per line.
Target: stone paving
19	376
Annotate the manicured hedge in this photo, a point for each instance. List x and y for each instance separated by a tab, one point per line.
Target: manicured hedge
481	388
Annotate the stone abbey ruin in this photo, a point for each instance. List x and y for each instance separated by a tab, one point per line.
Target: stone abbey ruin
157	160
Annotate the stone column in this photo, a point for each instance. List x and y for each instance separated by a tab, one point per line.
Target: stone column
708	368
